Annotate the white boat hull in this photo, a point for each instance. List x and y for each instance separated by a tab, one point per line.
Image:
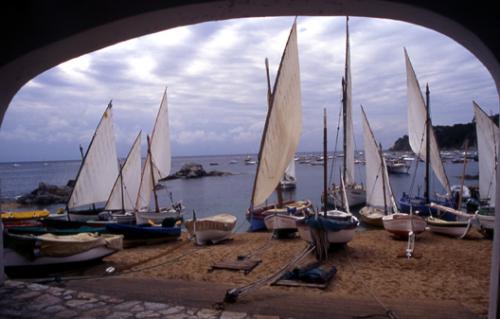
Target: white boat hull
213	229
486	221
453	229
281	222
334	237
401	224
372	216
14	259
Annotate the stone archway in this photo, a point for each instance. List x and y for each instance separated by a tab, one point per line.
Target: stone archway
70	30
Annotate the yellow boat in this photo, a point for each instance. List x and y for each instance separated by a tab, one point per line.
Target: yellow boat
32	214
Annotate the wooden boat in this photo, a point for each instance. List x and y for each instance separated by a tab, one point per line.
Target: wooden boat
423	143
213	229
379	198
280	138
97	173
23	215
339	226
49	249
156	167
282	221
356	193
400	225
450	228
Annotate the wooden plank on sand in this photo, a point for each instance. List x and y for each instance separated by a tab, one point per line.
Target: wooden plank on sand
244	265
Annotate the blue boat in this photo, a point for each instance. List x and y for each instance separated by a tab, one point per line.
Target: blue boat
418	205
144	233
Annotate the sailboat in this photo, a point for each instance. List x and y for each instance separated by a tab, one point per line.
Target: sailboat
423	143
328	226
280	139
289	181
356	193
380	199
97	173
487	132
156	167
121	202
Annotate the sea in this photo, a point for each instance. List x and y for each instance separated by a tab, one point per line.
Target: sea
229	194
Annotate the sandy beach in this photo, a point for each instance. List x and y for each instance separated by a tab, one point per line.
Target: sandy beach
445	268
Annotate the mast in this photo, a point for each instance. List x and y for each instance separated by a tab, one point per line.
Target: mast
157	207
382	169
325	160
344	119
427	143
121	187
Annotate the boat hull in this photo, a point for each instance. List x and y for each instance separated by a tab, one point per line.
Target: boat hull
372	216
416	204
157	218
453	229
282	224
256	216
401	224
342	234
211	230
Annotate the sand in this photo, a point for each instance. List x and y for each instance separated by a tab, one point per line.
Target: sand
446	268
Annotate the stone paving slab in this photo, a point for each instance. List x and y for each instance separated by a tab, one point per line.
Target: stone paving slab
26	300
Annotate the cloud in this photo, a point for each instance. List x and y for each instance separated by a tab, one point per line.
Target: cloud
217	86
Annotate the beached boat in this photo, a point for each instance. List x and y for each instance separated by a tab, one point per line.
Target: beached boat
423	143
356	193
400	224
487	134
145	233
121	202
212	229
379	198
280	137
156	167
49	249
97	173
329	226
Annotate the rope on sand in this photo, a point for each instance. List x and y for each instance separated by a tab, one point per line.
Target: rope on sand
387	313
233	294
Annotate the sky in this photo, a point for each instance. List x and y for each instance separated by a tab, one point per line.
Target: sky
215	74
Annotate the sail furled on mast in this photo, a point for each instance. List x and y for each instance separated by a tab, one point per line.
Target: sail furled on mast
124	193
158	161
377	178
283	124
487	134
99	167
348	129
417	118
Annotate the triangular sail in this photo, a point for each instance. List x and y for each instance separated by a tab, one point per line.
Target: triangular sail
417	116
160	160
377	179
290	171
283	124
487	132
348	126
124	193
99	166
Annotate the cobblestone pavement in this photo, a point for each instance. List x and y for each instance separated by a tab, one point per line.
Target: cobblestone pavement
25	300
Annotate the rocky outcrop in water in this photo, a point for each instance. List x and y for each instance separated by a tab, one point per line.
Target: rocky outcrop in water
47	194
194	170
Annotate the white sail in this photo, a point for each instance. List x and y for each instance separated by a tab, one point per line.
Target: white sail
348	131
124	193
487	132
283	124
158	159
417	116
376	171
290	171
99	166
